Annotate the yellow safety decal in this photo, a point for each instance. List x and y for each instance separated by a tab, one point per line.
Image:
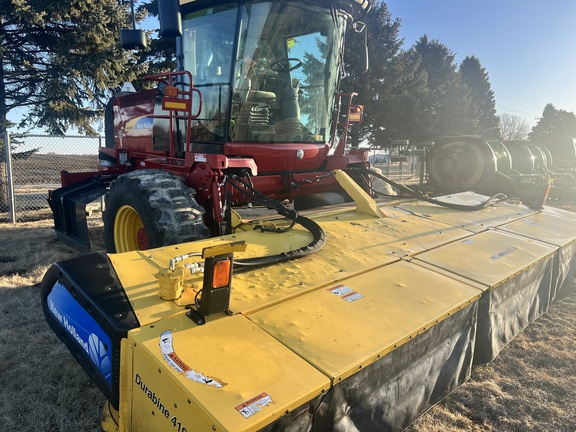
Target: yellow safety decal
178	365
346	293
252	406
176	105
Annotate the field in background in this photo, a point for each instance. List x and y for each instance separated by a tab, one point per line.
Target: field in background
531	386
34	174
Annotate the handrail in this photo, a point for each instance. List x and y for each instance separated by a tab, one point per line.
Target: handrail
170	79
341	147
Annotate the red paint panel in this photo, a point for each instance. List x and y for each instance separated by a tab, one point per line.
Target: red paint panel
271	158
132	126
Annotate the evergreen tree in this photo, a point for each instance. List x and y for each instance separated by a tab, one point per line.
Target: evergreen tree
483	104
374	86
420	94
408	89
448	103
553	124
58	60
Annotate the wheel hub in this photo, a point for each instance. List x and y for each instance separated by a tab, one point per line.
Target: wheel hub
129	233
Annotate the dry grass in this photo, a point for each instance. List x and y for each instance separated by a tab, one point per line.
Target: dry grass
530	387
45	168
42	388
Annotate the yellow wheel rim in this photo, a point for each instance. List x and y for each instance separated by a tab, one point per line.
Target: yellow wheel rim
129	231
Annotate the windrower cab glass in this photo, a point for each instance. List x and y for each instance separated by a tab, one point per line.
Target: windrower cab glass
267	70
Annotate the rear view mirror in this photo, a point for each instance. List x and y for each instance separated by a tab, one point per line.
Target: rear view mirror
170	18
133	39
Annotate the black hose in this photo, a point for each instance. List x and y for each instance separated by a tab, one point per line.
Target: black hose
405	190
315	245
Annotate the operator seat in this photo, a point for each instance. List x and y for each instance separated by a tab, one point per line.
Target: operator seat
285	113
254	115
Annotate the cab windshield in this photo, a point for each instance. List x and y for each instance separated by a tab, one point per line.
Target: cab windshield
267	71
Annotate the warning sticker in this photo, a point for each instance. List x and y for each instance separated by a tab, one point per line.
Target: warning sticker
169	355
346	293
178	365
252	406
353	296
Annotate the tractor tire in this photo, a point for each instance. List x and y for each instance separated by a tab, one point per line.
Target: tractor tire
147	209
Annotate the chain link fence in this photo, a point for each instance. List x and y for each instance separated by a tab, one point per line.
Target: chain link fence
400	165
31	166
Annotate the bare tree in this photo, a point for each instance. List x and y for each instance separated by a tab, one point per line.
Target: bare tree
513	128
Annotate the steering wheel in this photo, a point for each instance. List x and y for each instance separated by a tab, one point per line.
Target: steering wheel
284	65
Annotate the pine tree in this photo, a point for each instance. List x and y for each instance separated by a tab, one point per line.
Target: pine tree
373	86
59	60
553	124
483	104
448	102
407	90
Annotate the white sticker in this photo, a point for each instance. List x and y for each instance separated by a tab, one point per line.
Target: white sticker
340	290
353	296
252	406
179	366
346	293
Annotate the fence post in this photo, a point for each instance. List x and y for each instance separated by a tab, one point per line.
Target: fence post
10	178
102	199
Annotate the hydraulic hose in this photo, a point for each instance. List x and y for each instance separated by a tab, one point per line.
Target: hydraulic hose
314	246
405	190
319	237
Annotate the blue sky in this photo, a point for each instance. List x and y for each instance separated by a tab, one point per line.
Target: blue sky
528	47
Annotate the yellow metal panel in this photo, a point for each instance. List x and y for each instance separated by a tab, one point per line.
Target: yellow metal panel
364	202
551	227
490	257
355	244
125	412
474	221
157	403
228	367
136	269
345	327
136	272
560	213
